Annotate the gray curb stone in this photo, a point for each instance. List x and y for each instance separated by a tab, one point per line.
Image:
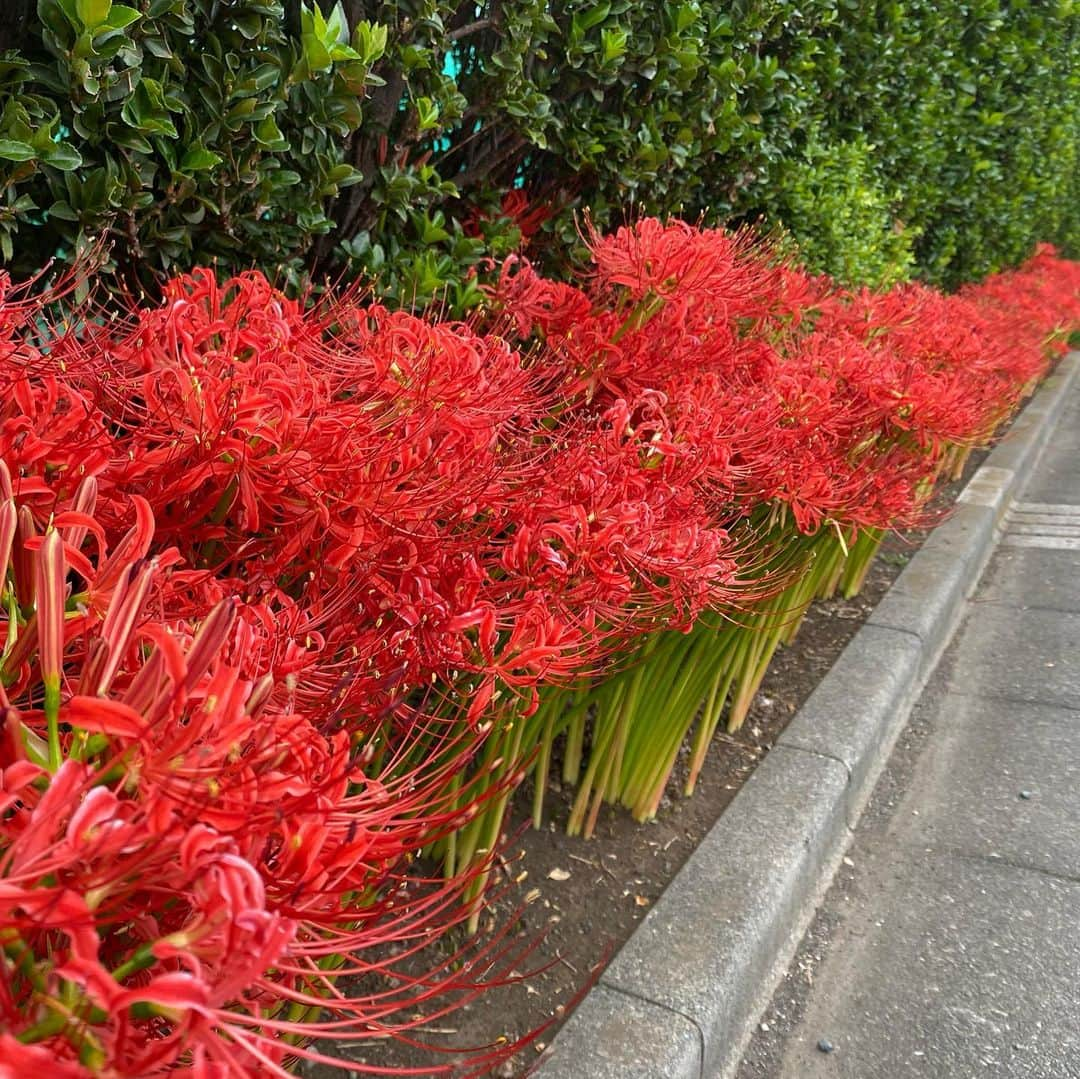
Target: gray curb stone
681	997
614	1033
738	898
859	730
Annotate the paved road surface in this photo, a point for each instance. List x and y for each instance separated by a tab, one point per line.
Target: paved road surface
949	945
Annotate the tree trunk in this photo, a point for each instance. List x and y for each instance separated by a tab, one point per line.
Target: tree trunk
14	22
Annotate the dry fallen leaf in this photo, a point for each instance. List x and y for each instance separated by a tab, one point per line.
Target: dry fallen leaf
559	874
641	901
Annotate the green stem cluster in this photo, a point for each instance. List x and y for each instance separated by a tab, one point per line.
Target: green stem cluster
617	740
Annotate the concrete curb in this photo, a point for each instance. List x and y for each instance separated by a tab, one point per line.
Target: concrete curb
681	997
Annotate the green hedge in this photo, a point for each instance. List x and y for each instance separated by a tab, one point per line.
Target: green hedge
184	130
889	138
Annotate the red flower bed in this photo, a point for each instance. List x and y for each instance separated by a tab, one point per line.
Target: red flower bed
294	591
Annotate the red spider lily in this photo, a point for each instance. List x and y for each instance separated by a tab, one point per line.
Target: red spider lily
289	589
339	457
861	386
820	407
348	460
177	864
675	261
527	212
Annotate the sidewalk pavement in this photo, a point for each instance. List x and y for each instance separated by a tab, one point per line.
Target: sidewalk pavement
949	943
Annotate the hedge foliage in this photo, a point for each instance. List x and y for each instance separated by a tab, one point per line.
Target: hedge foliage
396	138
189	130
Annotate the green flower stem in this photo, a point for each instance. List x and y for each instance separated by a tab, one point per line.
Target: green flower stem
603	735
52	721
575	744
543	761
492	819
863	552
710	720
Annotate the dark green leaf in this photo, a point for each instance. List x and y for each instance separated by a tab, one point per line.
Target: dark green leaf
62	156
13	150
197	158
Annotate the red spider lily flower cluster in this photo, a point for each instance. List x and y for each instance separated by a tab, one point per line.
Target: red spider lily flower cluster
282	582
526	211
393	488
836	405
187	871
799	402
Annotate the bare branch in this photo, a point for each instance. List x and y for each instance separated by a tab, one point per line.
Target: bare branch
469	29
